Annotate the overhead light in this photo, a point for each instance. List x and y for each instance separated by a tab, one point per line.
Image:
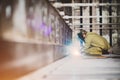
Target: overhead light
62	13
57	4
67	21
8	11
65	17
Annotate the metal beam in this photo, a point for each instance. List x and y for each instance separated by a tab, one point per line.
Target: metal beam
97	28
96	24
78	17
89	4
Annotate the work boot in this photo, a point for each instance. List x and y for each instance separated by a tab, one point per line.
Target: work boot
87	55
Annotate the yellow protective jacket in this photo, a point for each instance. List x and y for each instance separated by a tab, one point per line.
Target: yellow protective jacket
94	43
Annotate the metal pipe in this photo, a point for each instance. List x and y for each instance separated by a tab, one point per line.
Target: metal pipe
97	24
58	5
98	28
78	17
89	4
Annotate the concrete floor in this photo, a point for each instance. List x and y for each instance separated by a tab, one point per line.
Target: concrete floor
78	68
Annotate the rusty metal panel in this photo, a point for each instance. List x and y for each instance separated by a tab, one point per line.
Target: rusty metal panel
30	36
19	58
30	21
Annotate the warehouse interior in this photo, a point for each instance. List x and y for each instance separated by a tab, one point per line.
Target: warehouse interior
101	16
38	39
